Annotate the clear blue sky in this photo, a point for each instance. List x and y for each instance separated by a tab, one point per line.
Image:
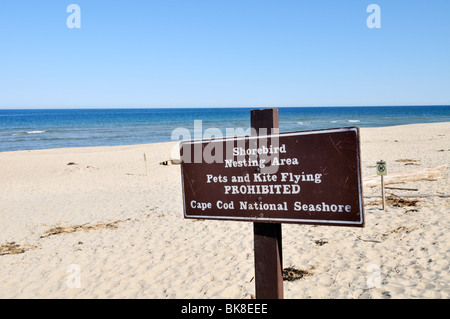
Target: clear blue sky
223	53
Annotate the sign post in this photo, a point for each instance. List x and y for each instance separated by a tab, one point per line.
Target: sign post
267	237
269	178
381	170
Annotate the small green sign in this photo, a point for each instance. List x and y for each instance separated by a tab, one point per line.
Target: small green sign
381	168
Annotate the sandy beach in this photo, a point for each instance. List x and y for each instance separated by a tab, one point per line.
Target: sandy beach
96	223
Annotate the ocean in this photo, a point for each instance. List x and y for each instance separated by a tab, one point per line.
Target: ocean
52	128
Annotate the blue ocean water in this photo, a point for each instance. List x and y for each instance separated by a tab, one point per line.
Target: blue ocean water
43	129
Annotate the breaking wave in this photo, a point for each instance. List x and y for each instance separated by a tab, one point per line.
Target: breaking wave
28	132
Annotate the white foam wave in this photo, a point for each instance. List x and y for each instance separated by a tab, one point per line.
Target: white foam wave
353	121
27	132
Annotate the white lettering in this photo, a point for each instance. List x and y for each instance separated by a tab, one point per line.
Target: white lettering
296	178
240	151
216	179
262	189
374	20
198	309
74	20
222	205
246	308
74	279
198	205
263	206
322	207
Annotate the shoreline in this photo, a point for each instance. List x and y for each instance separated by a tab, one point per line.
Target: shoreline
178	141
99	213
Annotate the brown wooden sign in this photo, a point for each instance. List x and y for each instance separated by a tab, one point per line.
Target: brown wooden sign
310	177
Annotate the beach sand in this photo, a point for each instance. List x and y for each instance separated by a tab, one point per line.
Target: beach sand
102	227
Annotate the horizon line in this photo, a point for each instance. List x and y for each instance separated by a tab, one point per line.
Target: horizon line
217	107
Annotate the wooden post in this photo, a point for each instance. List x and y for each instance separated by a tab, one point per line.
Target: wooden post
146	168
267	236
382	193
381	170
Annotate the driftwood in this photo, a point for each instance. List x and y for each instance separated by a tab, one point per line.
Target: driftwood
412	195
403	189
427	174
